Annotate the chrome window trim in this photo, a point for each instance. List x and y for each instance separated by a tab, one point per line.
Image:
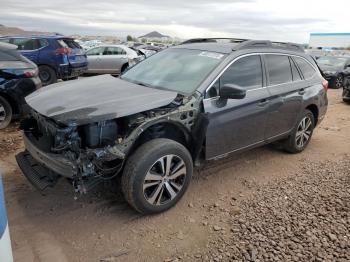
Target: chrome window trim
254	89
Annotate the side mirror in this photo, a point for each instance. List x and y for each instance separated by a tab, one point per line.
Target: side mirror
229	91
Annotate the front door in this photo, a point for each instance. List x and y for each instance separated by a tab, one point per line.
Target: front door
236	124
94	57
28	47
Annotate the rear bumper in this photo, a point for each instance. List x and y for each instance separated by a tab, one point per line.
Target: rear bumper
56	163
67	71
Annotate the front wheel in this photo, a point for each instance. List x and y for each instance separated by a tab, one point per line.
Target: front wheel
301	134
5	113
157	175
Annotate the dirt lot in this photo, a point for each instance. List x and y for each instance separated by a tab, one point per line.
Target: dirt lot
263	205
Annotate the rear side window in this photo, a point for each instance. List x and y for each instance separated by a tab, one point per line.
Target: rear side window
43	43
114	51
245	72
307	70
5	40
295	72
278	68
95	51
68	43
26	43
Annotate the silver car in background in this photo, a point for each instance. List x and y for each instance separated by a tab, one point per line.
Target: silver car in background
111	59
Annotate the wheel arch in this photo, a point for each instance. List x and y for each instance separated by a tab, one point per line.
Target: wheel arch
315	111
14	105
164	129
48	65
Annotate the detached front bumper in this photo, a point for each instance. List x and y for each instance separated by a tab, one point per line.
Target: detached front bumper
37	165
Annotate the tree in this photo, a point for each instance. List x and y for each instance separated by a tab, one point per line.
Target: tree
129	38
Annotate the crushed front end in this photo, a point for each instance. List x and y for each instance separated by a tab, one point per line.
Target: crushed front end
82	154
88	154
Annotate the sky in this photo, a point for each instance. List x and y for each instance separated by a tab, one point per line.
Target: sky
277	20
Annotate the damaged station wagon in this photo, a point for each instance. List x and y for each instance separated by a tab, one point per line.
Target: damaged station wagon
197	101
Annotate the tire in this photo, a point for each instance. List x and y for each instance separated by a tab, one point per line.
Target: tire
160	192
124	67
47	75
5	113
339	82
300	137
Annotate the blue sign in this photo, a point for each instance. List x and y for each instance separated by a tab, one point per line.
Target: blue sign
3	217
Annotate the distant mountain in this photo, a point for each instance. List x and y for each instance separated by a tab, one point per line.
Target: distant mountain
4	31
154	34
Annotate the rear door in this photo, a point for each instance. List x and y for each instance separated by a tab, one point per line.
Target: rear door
94	57
286	87
29	47
237	124
114	57
76	57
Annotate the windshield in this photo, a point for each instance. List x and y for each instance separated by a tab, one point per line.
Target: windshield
180	70
331	61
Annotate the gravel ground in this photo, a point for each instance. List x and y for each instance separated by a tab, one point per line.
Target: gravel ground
305	217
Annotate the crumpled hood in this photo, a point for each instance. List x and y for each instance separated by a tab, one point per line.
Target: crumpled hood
95	99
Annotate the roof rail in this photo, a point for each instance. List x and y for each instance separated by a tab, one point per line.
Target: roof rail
269	44
213	40
247	44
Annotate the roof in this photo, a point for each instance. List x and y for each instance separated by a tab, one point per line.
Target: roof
153	34
7	46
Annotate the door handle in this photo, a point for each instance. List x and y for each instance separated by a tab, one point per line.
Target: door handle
263	102
302	91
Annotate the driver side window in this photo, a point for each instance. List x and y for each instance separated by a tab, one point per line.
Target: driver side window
246	73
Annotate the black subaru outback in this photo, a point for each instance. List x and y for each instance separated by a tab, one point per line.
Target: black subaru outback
197	101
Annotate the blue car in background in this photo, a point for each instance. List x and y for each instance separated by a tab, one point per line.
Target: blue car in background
57	57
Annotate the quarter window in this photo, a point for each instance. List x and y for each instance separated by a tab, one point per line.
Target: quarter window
279	70
245	72
307	70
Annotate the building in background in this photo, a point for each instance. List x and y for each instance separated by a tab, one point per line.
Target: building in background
155	37
329	40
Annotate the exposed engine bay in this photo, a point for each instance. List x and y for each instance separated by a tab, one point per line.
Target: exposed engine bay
97	151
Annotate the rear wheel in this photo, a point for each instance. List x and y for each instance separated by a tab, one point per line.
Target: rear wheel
302	133
5	113
47	75
339	82
157	175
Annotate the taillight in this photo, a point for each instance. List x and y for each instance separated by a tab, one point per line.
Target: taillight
325	84
63	51
30	72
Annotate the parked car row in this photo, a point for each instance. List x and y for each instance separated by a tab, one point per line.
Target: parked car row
59	57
